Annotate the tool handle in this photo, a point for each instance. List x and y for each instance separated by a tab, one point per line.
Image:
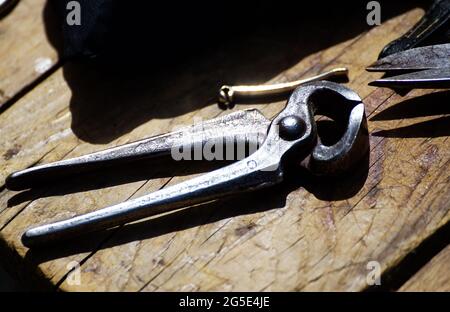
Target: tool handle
36	176
236	178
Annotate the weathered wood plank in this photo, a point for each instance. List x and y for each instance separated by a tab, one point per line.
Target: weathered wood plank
434	276
26	51
304	235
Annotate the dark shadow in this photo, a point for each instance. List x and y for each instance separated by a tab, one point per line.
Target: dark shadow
340	187
169	64
428	105
433	104
53	28
400	91
439	127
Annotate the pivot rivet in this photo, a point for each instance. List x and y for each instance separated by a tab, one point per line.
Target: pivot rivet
291	128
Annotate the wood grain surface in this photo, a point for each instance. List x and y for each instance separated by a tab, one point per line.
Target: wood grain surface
434	276
27	53
306	234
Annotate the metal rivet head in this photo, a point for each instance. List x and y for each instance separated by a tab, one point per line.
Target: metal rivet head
291	127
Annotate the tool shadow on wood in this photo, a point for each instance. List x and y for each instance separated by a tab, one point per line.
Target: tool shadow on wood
418	107
150	81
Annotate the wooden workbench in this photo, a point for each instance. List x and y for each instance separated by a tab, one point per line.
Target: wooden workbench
307	234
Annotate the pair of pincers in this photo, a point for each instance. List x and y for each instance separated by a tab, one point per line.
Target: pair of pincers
289	139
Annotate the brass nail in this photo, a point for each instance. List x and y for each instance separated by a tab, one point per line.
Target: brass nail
228	94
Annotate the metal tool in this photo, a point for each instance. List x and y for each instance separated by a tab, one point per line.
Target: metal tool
426	67
229	94
291	138
435	24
